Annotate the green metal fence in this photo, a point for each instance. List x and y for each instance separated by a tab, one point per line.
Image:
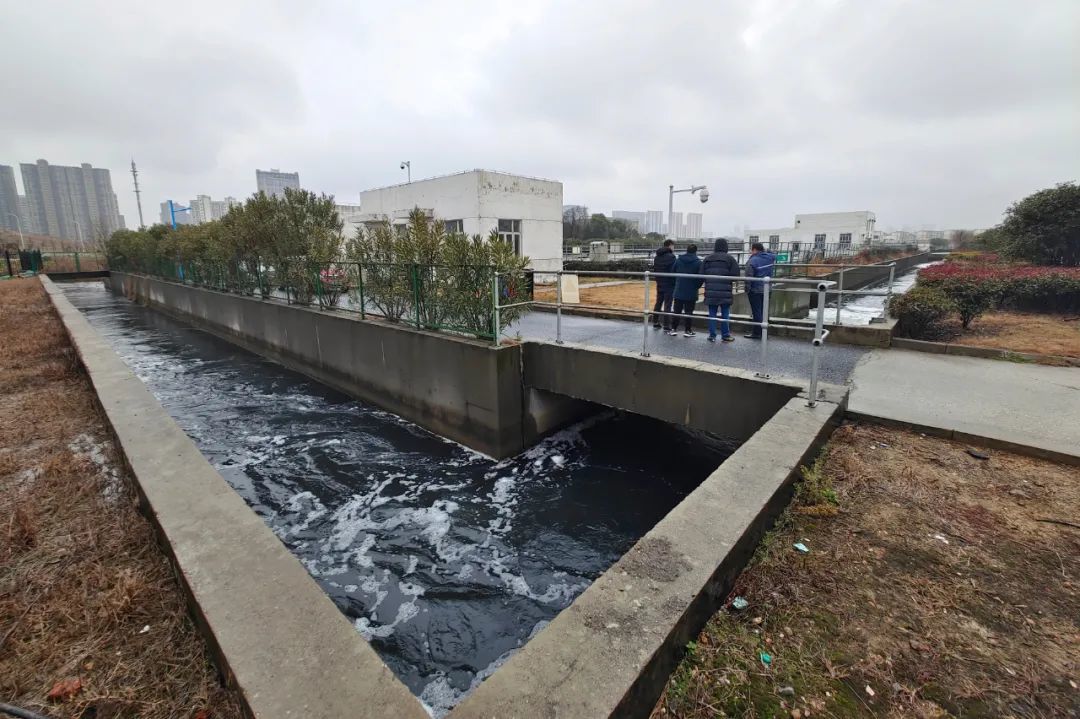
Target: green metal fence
461	299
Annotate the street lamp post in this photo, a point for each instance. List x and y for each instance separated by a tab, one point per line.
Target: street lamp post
18	223
78	231
693	189
407	165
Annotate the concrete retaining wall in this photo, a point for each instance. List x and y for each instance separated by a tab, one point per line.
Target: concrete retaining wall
459	388
727	402
278	638
610	653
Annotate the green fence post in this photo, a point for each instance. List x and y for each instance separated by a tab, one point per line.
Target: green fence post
416	294
360	284
77	269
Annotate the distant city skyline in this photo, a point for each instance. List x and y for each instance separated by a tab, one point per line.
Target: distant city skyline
64	201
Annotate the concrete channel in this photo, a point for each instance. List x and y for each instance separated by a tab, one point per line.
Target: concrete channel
285	645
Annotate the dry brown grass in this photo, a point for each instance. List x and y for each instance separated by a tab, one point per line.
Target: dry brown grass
629	296
85	591
931	590
1033	332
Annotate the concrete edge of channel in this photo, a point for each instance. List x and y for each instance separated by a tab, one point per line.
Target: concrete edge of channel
976	440
276	635
611	652
947	348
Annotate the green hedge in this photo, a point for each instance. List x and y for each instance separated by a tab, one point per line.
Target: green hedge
921	312
608	266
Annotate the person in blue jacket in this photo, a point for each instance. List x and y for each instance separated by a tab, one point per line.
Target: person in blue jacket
760	264
719	293
686	290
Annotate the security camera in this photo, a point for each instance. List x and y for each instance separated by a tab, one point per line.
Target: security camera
704	196
403	166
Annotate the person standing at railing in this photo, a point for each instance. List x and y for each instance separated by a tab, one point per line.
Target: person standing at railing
719	293
686	290
760	264
664	262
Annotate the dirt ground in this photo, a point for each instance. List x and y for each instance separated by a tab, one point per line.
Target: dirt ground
936	584
90	609
1024	332
628	296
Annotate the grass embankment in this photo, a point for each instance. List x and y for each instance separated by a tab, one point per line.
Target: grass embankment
90	609
933	587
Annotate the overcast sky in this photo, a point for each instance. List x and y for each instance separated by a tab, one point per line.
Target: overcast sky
928	112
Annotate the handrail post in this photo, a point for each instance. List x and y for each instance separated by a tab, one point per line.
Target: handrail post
558	308
495	307
765	329
888	290
645	319
360	287
840	295
815	351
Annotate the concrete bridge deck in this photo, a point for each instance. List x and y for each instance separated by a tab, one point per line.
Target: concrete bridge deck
788	357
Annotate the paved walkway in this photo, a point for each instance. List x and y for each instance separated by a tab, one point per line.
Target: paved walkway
787	357
1025	404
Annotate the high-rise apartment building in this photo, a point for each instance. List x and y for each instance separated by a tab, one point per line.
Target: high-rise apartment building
692	229
10	217
75	203
274	182
183	217
675	225
637	218
654	221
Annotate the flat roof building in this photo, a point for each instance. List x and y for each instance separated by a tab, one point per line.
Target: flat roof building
273	182
525	211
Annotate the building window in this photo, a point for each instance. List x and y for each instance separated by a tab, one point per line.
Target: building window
754	238
455	227
796	246
819	242
774	239
510	231
845	240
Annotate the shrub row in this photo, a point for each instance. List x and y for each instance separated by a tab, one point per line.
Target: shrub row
970	285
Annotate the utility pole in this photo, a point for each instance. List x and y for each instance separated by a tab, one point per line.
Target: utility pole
138	194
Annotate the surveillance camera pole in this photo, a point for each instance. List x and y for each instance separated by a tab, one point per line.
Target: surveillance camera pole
671	206
407	165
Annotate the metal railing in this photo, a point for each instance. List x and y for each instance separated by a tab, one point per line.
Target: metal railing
820	334
840	292
462	299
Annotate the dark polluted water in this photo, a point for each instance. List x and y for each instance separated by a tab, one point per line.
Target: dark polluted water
444	559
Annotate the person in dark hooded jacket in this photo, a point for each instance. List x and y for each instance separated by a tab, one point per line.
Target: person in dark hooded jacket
719	293
664	262
686	289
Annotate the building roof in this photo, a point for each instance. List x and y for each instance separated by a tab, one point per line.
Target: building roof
456	174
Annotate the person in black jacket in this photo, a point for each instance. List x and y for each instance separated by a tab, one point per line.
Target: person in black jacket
719	293
664	262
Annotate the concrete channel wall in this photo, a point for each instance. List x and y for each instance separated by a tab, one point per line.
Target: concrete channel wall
277	637
724	401
460	388
610	653
607	655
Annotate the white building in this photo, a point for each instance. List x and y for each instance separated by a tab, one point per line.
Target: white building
636	218
525	211
654	221
273	182
692	228
846	229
